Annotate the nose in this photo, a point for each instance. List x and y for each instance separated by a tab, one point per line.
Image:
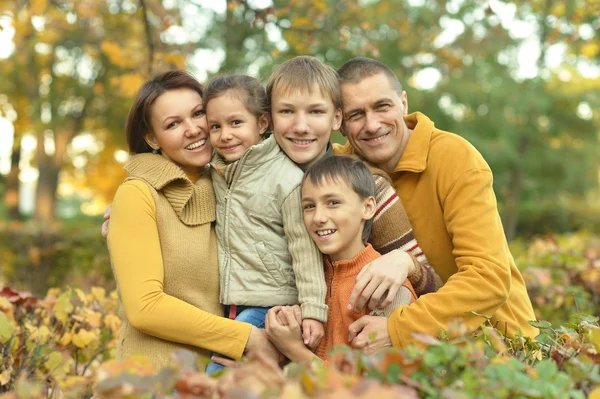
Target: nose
300	123
320	215
225	134
194	127
372	124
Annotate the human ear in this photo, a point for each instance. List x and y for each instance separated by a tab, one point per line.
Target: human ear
370	206
263	123
150	139
404	99
337	120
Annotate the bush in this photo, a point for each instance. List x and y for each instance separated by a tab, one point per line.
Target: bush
64	345
34	257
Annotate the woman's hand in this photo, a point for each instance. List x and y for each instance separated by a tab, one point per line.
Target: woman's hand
369	334
287	334
258	342
385	274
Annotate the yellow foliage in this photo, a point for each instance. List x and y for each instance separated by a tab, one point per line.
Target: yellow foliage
6	328
38	7
98	293
63	306
5	377
117	55
112	322
83	338
590	50
66	339
58	364
93	318
128	84
175	60
302	22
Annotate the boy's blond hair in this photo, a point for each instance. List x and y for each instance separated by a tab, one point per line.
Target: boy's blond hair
303	73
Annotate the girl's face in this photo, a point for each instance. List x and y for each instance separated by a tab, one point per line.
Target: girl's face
233	129
179	129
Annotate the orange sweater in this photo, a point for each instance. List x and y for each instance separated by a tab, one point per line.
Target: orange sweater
340	278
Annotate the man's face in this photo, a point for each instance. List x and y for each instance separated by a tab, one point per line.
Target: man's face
302	124
374	120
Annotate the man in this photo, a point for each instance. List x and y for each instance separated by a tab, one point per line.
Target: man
446	187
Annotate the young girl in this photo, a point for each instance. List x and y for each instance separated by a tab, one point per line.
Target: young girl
266	256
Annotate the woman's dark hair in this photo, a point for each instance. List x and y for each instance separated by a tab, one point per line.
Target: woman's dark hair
250	90
138	123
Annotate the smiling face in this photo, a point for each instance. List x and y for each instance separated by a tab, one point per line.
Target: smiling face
302	123
179	129
374	120
335	215
233	129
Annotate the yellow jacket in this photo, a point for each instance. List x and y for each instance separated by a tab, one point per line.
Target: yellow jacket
446	187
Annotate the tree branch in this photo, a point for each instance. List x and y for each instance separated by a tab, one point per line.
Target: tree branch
149	40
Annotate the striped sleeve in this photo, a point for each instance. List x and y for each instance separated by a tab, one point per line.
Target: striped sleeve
392	230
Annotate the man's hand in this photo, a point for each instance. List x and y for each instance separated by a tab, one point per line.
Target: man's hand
385	274
369	334
312	332
105	224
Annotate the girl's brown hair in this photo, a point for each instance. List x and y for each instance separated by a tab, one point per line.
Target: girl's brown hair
138	123
250	91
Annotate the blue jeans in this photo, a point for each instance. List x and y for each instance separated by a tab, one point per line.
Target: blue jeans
248	314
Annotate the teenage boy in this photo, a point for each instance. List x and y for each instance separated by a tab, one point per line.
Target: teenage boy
338	201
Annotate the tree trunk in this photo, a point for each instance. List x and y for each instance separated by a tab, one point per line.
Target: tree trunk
45	195
11	196
510	216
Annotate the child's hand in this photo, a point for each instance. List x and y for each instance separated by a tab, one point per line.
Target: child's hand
312	332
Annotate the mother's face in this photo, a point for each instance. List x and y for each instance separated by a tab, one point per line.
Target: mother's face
180	130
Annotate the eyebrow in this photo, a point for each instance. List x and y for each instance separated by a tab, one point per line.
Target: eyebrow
177	116
326	196
376	102
292	105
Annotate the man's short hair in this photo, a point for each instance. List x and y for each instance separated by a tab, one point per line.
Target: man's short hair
350	171
359	68
303	73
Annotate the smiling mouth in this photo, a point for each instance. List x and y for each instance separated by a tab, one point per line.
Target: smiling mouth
195	145
229	148
302	142
376	139
325	233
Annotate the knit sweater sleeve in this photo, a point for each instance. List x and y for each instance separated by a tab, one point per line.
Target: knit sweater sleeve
307	260
136	258
392	230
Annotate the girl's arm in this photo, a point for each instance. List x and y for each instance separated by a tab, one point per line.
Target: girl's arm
307	260
136	258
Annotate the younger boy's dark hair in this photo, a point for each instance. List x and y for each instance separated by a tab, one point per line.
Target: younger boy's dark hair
347	170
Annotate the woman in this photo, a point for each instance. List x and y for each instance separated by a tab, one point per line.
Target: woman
162	240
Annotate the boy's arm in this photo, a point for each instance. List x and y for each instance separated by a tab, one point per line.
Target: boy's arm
307	261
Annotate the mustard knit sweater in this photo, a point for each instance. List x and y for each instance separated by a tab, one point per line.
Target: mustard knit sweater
163	250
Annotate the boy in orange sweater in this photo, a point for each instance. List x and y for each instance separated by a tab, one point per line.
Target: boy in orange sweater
338	201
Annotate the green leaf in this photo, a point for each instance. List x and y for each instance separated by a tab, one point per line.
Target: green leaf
546	370
540	323
63	306
7	329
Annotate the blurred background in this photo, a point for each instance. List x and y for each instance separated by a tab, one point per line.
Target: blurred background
519	79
